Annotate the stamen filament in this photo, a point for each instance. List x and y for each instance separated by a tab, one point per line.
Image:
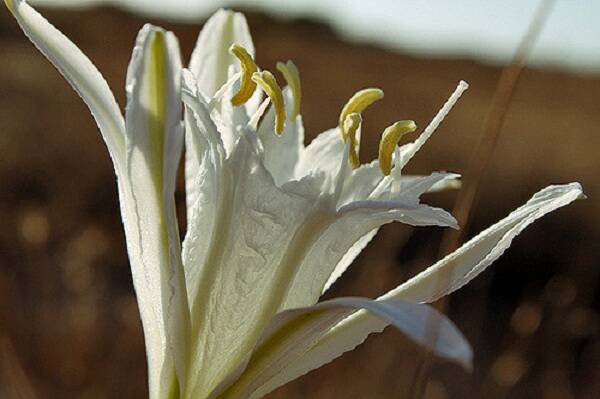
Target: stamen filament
268	83
247	85
389	140
292	78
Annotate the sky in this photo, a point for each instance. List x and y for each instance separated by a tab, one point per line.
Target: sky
486	30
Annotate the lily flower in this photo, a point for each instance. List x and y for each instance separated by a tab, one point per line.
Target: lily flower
234	311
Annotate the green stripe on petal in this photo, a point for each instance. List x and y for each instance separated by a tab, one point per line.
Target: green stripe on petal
156	102
154	141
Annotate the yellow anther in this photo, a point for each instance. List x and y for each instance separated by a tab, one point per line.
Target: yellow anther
9	5
292	78
268	83
389	140
247	85
357	104
351	125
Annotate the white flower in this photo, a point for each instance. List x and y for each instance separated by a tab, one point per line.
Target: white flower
271	223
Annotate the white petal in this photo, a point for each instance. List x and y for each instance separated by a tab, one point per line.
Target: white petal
335	247
323	154
442	278
282	152
228	118
212	65
361	182
258	233
91	86
347	259
154	142
292	333
211	59
80	72
450	181
464	264
367	182
355	189
204	143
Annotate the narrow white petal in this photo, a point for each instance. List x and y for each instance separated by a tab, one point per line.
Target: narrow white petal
154	142
91	86
464	264
342	241
359	186
292	333
80	72
204	143
440	279
450	182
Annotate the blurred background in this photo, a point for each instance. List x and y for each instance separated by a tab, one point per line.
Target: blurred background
69	326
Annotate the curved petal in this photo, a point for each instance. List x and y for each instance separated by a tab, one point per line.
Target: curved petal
292	333
335	248
153	143
211	59
440	279
204	142
212	65
354	189
80	72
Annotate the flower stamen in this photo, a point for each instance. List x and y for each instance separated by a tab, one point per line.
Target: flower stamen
247	85
268	83
9	5
351	125
292	78
389	140
357	104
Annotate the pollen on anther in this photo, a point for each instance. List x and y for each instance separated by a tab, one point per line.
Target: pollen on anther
247	85
351	125
389	140
358	103
268	83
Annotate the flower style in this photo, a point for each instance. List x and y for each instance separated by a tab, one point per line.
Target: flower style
234	312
